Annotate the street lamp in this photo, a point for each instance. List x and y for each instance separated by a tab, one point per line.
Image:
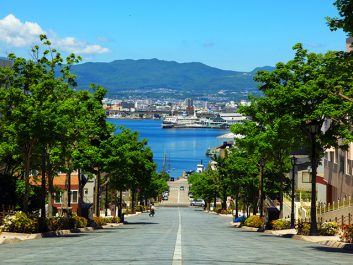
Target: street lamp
262	164
314	129
292	220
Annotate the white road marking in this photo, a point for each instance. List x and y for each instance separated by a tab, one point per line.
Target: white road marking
177	260
179	197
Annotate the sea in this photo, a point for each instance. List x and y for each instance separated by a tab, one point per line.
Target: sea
181	149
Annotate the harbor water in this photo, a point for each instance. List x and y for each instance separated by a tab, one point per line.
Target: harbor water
183	148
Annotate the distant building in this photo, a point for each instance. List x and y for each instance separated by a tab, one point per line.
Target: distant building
349	46
232	118
127	105
189	105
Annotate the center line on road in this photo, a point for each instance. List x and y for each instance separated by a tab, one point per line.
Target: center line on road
179	197
177	260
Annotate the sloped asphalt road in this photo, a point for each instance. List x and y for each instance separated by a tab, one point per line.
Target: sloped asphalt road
203	239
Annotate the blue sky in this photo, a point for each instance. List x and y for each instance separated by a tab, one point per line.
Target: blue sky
228	34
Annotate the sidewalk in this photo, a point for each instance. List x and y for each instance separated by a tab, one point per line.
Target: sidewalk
10	238
330	241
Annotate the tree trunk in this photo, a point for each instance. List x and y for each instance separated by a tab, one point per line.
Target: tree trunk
237	205
50	194
215	199
120	213
281	191
281	196
68	188
224	199
26	195
97	188
133	202
106	199
43	191
80	193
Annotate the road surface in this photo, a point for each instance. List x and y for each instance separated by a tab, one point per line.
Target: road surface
174	236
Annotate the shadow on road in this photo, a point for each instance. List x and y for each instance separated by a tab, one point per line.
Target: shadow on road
334	250
141	223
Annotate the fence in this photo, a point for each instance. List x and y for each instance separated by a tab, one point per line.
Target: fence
5	210
341	220
335	205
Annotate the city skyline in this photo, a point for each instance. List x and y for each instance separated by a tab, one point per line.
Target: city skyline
233	35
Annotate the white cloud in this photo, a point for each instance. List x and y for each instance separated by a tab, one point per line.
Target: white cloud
71	44
19	34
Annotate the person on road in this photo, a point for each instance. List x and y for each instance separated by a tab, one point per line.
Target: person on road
152	210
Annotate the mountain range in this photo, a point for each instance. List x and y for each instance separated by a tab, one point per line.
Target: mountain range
148	78
153	76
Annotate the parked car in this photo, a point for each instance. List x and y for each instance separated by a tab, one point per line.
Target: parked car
172	179
165	197
182	188
190	194
198	202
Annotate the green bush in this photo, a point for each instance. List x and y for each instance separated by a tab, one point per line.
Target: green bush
65	223
80	222
53	223
113	219
227	211
329	229
303	228
20	223
217	210
99	221
280	224
139	208
255	221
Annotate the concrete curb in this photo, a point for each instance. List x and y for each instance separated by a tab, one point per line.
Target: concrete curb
226	215
330	241
251	229
10	238
112	225
236	225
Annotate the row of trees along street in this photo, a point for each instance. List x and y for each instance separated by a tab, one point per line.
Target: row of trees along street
306	104
47	127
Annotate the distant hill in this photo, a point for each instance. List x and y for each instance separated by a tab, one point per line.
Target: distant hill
4	62
168	76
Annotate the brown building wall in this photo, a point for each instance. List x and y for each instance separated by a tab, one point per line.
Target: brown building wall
349	42
340	183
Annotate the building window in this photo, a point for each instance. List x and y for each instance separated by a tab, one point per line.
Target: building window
58	197
349	167
86	191
306	177
74	196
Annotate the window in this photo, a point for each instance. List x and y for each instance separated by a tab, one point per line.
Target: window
349	167
86	191
306	177
74	196
58	197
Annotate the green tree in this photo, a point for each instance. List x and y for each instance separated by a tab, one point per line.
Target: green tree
345	19
203	185
304	89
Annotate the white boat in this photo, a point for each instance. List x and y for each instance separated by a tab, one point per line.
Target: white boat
182	121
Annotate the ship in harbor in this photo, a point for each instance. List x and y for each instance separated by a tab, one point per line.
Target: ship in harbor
182	121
